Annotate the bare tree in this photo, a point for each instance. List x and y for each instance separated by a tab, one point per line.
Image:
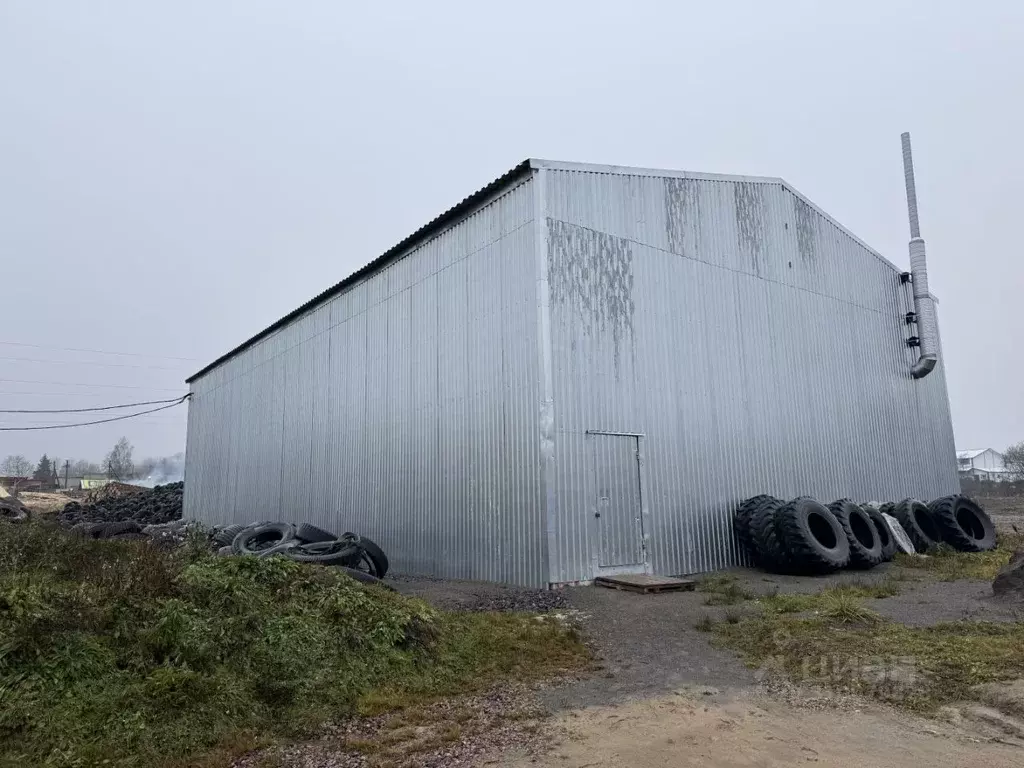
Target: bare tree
119	461
83	467
1013	459
18	468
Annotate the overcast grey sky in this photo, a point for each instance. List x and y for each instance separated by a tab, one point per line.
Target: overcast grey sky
174	176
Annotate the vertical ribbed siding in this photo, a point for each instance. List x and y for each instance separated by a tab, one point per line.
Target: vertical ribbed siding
404	409
757	346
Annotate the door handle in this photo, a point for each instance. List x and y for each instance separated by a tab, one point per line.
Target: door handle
597	514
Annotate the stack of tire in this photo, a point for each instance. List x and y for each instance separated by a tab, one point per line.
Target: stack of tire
357	556
954	520
804	536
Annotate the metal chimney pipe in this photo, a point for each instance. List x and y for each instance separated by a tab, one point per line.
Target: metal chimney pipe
924	305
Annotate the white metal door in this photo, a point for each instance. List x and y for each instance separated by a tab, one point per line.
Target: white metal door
618	508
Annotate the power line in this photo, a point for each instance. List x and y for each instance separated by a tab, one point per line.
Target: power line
98	351
97	408
76	384
100	421
83	362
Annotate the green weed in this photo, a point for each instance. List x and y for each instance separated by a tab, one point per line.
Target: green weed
119	654
947	564
723	589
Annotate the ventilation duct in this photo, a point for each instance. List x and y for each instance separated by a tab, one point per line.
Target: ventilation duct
924	304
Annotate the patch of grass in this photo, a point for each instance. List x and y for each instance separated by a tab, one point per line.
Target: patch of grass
844	607
838	600
723	589
705	623
789	602
844	645
119	654
948	564
733	617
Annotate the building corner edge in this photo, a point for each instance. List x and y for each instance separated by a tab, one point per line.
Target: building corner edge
546	406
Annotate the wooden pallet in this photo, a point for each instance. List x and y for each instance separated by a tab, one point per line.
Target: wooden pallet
643	584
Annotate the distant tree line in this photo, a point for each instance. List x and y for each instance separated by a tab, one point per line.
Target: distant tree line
118	464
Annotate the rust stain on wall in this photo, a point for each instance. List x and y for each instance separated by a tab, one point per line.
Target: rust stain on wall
592	272
750	217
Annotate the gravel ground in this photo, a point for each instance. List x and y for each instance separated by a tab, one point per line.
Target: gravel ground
931	602
648	645
645	644
921	602
460	731
477	595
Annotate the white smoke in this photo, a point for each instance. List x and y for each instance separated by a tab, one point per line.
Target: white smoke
166	469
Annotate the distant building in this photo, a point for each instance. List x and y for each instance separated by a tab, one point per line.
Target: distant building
982	464
80	483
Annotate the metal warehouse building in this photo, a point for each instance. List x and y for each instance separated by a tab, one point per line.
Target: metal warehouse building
580	370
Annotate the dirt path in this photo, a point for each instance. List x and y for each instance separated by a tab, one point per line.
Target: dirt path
750	730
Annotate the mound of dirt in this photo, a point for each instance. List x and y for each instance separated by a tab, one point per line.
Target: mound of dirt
146	506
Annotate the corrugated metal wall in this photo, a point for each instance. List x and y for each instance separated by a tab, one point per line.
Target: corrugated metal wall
757	346
404	409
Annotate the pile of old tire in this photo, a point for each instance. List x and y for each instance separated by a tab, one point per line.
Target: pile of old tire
357	556
799	536
145	506
803	536
127	530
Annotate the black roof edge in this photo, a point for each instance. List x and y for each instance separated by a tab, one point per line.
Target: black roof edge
390	255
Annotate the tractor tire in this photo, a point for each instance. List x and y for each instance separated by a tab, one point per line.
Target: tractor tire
885	536
963	524
741	523
918	523
771	551
813	536
865	541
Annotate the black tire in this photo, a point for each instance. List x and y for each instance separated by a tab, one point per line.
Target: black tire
128	536
13	514
255	539
82	529
885	536
94	530
963	524
812	535
109	530
771	551
326	553
308	533
366	578
741	523
919	523
226	535
376	556
860	530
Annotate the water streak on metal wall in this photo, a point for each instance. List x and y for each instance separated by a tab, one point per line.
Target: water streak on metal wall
404	409
757	345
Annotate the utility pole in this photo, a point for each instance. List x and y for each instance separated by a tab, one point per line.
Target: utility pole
67	466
